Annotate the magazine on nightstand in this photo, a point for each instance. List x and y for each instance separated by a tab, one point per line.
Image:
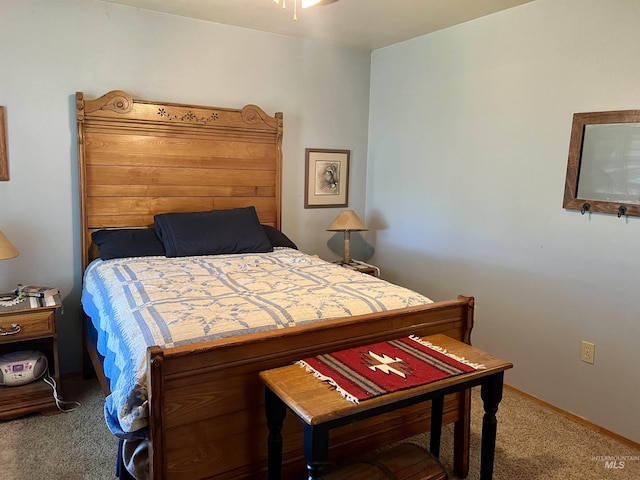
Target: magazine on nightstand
38	291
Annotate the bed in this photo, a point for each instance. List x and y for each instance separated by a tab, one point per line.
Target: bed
140	160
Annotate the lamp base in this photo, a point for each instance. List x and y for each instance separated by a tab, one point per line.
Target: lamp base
346	256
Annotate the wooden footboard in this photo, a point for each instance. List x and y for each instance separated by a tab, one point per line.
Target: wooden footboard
206	400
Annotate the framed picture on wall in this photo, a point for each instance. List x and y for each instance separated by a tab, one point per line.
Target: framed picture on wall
4	159
326	178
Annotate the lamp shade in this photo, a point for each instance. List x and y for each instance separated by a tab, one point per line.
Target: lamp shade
7	250
347	220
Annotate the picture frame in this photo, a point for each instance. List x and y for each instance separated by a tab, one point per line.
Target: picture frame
326	178
4	159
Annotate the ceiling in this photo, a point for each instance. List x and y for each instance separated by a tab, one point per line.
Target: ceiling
361	24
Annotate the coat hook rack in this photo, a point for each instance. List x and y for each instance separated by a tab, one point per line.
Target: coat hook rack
586	206
622	210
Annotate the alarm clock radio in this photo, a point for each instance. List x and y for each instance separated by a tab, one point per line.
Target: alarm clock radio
18	368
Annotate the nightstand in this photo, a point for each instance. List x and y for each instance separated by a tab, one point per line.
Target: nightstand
361	267
27	327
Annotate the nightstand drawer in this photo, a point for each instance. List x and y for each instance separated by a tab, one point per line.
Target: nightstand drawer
28	325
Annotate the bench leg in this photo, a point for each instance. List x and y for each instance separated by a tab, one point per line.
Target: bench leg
316	449
275	411
437	405
491	392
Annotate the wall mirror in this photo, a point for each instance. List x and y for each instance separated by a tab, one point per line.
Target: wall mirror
4	161
603	170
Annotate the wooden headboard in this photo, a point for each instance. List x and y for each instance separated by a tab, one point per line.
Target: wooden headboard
138	158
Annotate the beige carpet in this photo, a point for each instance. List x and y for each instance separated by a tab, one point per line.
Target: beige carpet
533	443
68	446
536	443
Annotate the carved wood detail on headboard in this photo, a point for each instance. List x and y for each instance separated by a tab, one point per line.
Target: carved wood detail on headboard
138	158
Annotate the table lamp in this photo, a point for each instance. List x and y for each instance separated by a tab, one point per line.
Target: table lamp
7	250
347	221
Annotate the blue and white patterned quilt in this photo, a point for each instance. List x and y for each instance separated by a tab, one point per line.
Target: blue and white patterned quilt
138	302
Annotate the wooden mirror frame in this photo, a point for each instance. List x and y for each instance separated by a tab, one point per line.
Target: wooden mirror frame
4	158
571	200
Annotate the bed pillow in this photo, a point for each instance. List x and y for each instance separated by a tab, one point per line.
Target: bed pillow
214	232
277	238
127	242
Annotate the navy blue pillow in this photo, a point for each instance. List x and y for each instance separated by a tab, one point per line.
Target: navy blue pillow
127	242
277	238
214	232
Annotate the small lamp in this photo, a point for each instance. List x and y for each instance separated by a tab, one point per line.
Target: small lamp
347	221
7	250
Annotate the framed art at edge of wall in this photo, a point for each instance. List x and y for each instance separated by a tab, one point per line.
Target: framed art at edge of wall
4	159
326	178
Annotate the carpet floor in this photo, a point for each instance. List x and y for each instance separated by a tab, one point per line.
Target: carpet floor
534	443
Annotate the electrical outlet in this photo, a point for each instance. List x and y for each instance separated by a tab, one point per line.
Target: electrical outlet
588	352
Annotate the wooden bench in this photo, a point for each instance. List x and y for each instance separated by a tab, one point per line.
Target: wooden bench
320	408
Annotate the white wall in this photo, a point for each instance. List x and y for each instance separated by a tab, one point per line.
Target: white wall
468	143
49	50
